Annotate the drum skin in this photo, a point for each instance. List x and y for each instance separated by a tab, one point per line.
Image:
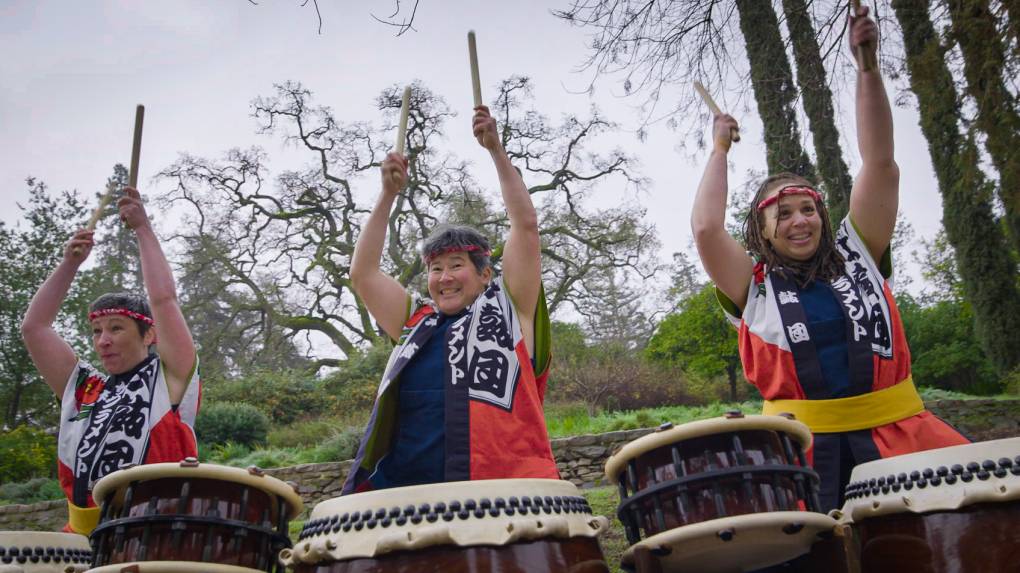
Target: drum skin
981	538
576	555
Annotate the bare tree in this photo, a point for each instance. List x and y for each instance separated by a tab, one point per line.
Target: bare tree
286	244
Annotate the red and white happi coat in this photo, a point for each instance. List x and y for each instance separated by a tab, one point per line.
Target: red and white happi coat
109	422
767	337
494	425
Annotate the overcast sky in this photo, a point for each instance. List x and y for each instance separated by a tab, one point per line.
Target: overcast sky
72	73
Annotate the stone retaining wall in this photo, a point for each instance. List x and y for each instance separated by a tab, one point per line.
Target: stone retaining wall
580	459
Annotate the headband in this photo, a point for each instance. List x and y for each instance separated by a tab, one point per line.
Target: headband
791	190
121	311
468	249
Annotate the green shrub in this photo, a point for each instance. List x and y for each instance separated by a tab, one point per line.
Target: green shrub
31	491
27	453
352	388
342	445
283	396
305	433
222	422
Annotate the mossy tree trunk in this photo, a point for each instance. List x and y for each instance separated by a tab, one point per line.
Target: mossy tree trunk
974	30
986	268
774	89
818	106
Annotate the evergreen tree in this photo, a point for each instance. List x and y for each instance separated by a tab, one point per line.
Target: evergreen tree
31	250
974	30
774	88
817	100
987	270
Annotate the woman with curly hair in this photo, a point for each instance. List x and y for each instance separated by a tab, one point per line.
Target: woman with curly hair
819	332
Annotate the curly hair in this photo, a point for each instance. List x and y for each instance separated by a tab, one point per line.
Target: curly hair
126	300
826	264
450	238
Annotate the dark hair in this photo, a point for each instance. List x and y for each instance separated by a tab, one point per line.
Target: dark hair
450	238
126	300
826	264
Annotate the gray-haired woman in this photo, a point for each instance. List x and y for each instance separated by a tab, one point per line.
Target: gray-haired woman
462	394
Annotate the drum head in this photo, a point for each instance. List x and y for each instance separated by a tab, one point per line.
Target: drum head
465	514
116	482
739	543
944	479
618	461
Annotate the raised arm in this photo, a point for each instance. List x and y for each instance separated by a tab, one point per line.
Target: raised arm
875	196
385	298
173	338
724	258
50	353
522	254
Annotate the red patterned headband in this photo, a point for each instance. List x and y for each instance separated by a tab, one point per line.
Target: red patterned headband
121	311
466	249
791	190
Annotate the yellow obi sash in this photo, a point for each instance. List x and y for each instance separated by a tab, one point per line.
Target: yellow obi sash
862	412
82	519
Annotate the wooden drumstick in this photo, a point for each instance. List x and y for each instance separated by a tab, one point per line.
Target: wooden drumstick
476	82
136	147
405	108
714	108
864	59
99	212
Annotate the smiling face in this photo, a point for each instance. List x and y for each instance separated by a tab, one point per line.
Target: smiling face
118	343
454	282
793	225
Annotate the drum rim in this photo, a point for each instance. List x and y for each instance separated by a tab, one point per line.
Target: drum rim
174	567
572	517
55	540
617	462
149	472
870	494
527	486
812	521
54	535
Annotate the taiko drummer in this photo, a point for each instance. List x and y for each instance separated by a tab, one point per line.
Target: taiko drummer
461	397
820	334
142	409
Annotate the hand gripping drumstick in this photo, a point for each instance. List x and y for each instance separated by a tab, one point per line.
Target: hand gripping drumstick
476	82
734	132
864	59
136	150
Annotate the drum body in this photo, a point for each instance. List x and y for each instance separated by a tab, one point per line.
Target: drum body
725	494
951	510
193	512
510	526
43	552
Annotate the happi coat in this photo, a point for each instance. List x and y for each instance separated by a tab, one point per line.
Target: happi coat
494	421
881	415
108	422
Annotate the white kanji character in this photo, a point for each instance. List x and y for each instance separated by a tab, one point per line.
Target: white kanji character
787	296
798	332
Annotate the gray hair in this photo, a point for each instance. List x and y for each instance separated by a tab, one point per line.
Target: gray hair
128	301
458	238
